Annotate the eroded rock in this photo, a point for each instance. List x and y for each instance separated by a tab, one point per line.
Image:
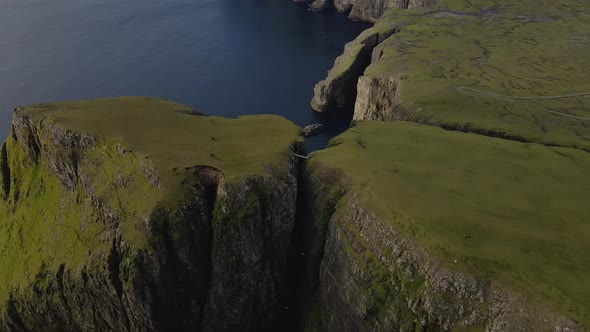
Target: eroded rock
312	129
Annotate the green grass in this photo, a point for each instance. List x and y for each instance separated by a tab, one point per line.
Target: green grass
172	136
525	206
509	47
44	224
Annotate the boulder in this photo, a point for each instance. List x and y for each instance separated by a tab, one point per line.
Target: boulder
312	129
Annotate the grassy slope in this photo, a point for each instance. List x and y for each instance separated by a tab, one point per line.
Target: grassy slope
42	225
509	47
524	205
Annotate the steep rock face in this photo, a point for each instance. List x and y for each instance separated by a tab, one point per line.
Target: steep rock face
96	238
369	10
251	231
373	277
379	98
339	88
4	173
118	286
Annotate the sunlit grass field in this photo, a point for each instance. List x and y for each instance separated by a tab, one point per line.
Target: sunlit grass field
524	206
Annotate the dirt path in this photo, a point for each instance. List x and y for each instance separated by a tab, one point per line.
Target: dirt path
488	94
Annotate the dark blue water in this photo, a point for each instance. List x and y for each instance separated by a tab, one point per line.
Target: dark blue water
223	57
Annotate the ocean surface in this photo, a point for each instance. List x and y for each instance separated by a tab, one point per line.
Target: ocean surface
223	57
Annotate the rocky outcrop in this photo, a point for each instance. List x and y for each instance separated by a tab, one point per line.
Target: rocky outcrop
252	227
372	277
369	10
339	88
312	129
379	98
132	247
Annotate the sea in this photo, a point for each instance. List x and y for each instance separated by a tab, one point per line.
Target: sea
223	57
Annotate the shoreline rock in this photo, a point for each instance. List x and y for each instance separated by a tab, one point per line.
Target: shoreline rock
339	88
312	130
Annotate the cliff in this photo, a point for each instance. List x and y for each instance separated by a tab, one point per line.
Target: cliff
188	222
456	202
369	10
470	121
339	88
142	214
425	229
497	69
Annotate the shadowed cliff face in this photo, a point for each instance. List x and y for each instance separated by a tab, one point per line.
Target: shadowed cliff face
4	172
339	89
252	227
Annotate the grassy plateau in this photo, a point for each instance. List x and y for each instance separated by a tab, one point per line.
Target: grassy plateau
172	135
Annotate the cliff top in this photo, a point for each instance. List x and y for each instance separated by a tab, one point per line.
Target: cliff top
513	212
509	68
173	135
